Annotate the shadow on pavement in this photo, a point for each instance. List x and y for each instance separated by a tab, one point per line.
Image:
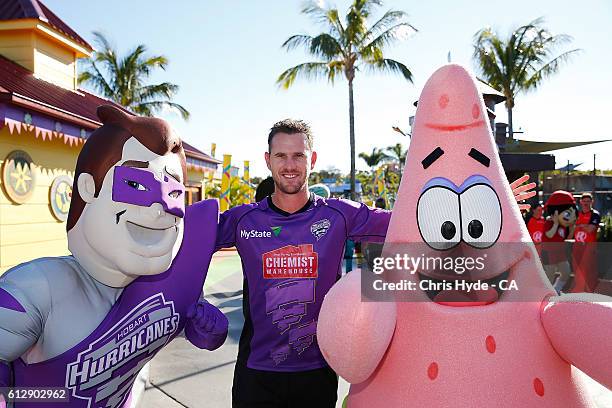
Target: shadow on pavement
161	384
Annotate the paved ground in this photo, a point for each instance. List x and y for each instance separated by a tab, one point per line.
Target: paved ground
183	376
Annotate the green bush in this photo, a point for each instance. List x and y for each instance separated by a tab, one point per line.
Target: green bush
605	233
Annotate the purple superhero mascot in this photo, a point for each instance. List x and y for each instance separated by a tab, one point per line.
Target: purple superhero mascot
90	321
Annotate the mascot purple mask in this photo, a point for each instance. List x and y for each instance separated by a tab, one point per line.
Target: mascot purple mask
140	187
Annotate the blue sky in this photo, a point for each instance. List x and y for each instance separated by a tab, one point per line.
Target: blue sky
226	56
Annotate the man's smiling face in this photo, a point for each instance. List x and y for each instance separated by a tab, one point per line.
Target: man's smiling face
290	160
136	221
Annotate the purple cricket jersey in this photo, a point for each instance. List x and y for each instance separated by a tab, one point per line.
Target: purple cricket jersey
100	370
290	261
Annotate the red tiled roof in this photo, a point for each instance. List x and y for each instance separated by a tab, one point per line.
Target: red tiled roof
198	154
24	9
19	86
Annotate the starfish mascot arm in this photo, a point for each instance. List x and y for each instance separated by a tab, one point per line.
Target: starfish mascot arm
354	335
579	327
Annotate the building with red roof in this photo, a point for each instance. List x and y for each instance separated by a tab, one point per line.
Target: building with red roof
44	120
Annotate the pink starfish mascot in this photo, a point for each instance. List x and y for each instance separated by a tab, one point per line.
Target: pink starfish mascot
511	348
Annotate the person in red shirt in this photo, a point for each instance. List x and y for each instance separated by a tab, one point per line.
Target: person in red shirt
561	211
588	220
535	226
584	250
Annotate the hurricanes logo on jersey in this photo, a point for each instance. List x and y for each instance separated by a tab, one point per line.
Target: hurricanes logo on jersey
320	228
103	374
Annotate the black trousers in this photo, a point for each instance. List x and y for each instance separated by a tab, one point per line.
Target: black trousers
269	389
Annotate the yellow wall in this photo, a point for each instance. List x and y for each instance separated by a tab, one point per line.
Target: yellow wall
196	177
39	50
54	63
18	46
29	230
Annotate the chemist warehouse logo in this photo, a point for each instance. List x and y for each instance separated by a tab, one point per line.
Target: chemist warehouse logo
104	373
291	262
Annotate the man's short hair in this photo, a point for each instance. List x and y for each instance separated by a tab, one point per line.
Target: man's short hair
586	195
291	127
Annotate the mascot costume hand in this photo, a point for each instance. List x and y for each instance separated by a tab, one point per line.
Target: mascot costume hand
90	321
206	326
446	347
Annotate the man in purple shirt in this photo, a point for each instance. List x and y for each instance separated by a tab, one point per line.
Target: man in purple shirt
291	245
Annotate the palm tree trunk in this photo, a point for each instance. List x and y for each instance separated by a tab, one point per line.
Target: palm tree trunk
510	129
352	138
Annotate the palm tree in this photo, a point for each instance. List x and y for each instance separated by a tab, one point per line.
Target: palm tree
377	156
398	153
521	62
124	79
348	46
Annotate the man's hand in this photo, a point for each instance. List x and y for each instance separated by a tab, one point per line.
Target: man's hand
522	191
206	326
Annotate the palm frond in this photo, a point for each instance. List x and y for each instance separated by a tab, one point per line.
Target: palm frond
365	7
147	65
336	26
152	107
165	90
387	65
356	19
297	41
389	19
123	80
95	78
100	38
325	16
132	59
549	69
387	37
522	60
314	10
307	70
323	45
377	156
326	46
398	152
106	56
487	55
334	69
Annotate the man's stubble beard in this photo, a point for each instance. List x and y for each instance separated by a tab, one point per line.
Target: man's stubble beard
301	186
